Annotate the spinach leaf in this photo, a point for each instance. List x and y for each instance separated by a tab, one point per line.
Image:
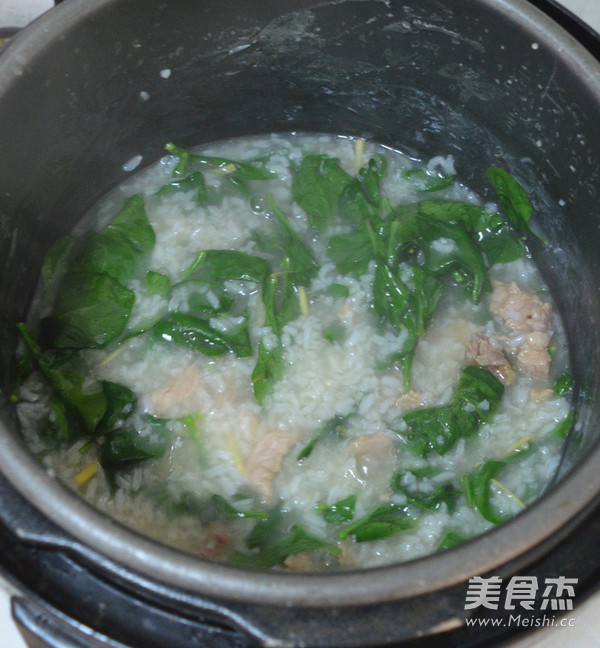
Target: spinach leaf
337	290
428	182
385	521
280	301
119	248
224	265
477	485
370	179
391	296
416	485
82	408
564	385
294	542
91	310
450	539
360	199
318	186
207	509
132	224
266	531
352	252
128	446
512	196
334	427
281	306
338	513
87	401
200	335
242	170
298	258
562	430
491	232
193	182
203	299
55	260
479	392
120	405
335	332
267	371
147	311
158	284
461	255
475	400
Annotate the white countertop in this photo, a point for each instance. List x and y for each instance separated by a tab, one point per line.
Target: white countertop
585	634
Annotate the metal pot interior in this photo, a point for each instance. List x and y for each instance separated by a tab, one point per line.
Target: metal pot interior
492	83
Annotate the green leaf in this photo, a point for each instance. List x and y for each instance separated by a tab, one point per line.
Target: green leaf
133	225
475	400
479	391
55	260
266	531
428	182
91	310
224	265
335	332
391	296
117	251
207	509
561	431
129	446
158	284
564	385
198	334
338	513
338	291
296	541
385	521
120	405
478	485
334	427
463	255
267	371
352	252
280	301
491	231
450	539
417	485
318	186
512	196
86	400
243	170
299	259
193	182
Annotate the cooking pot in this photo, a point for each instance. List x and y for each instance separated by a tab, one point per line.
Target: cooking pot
93	86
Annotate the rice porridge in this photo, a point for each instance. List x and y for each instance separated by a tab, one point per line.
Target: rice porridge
300	352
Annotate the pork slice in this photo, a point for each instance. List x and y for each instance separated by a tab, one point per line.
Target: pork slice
369	450
301	561
370	444
533	358
482	353
410	400
170	399
520	310
215	542
266	459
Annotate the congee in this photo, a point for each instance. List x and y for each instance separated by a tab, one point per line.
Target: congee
301	352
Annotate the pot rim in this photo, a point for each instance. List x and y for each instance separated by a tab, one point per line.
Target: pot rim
546	522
